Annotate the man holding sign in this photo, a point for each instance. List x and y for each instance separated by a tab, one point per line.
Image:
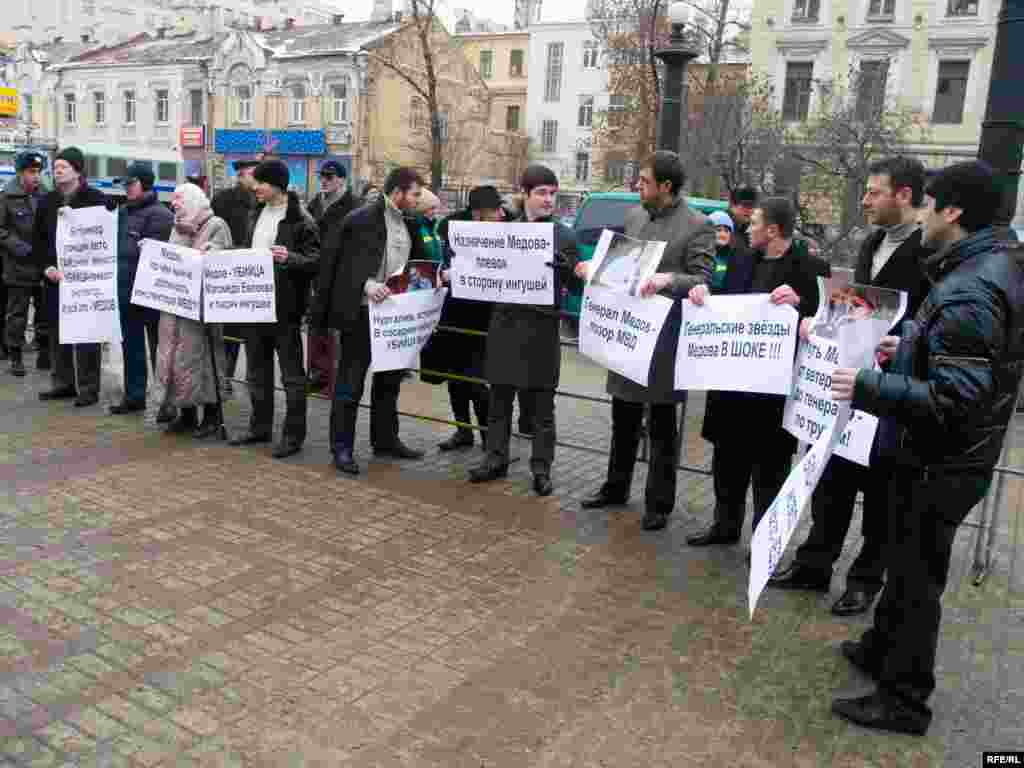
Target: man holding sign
688	260
524	350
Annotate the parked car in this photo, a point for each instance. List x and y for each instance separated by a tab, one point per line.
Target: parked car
607	210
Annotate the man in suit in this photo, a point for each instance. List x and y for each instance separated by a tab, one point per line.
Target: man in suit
373	243
891	257
751	447
686	262
524	349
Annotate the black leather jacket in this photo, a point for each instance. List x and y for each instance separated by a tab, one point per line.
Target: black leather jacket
948	396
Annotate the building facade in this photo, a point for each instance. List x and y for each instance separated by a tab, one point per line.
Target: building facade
931	56
501	59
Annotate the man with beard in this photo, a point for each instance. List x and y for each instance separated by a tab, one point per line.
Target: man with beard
944	403
891	257
687	261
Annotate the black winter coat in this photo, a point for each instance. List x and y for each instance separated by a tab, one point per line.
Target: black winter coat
755	416
352	256
16	226
947	398
298	233
138	220
235	205
452	352
904	271
328	219
524	348
44	234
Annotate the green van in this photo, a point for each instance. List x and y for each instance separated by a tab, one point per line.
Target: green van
607	210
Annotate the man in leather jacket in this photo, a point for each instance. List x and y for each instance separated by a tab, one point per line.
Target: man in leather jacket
944	403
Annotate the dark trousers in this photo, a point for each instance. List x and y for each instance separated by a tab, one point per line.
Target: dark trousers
462	393
69	358
18	299
541	407
627	421
260	346
353	365
735	466
231	349
925	514
831	512
136	323
3	315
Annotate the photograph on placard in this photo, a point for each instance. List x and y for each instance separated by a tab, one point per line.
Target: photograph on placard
417	275
622	263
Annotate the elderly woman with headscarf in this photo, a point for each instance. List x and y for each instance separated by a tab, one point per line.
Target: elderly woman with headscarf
184	363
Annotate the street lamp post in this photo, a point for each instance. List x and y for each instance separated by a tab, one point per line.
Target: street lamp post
1002	133
676	55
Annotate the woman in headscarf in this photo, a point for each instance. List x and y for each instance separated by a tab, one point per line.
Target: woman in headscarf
426	222
184	364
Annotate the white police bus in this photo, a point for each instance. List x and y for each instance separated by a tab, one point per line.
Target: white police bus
103	173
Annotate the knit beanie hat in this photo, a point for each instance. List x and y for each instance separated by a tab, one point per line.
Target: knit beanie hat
721	219
72	156
273	172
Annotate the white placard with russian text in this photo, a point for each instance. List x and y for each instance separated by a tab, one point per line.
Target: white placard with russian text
87	255
400	326
620	331
510	263
170	279
238	286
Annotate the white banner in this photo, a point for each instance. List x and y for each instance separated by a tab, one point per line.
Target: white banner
87	255
400	326
619	331
737	343
238	287
169	278
776	527
509	263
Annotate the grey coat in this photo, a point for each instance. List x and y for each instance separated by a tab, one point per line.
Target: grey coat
689	256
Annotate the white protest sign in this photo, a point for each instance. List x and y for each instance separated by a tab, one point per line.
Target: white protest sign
775	529
400	326
87	255
737	343
238	286
508	263
623	263
619	331
169	278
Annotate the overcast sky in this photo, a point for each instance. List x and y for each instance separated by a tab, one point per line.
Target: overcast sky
501	12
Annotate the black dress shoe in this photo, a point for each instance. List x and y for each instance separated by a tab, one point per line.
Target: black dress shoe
603	498
878	711
166	414
345	462
654	520
854	601
856	655
84	401
799	576
207	430
713	535
462	438
399	451
488	471
58	393
128	406
250	438
288	446
542	484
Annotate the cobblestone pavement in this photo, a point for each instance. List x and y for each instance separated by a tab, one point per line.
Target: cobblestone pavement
172	603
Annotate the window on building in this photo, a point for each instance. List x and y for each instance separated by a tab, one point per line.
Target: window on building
486	64
585	117
243	104
195	106
950	91
129	107
806	10
512	118
99	107
881	9
871	89
417	114
549	136
515	63
617	102
117	167
167	171
796	99
591	54
582	167
297	103
553	72
163	106
339	103
616	170
70	109
962	8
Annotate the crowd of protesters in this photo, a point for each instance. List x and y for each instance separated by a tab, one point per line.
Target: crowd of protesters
944	390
